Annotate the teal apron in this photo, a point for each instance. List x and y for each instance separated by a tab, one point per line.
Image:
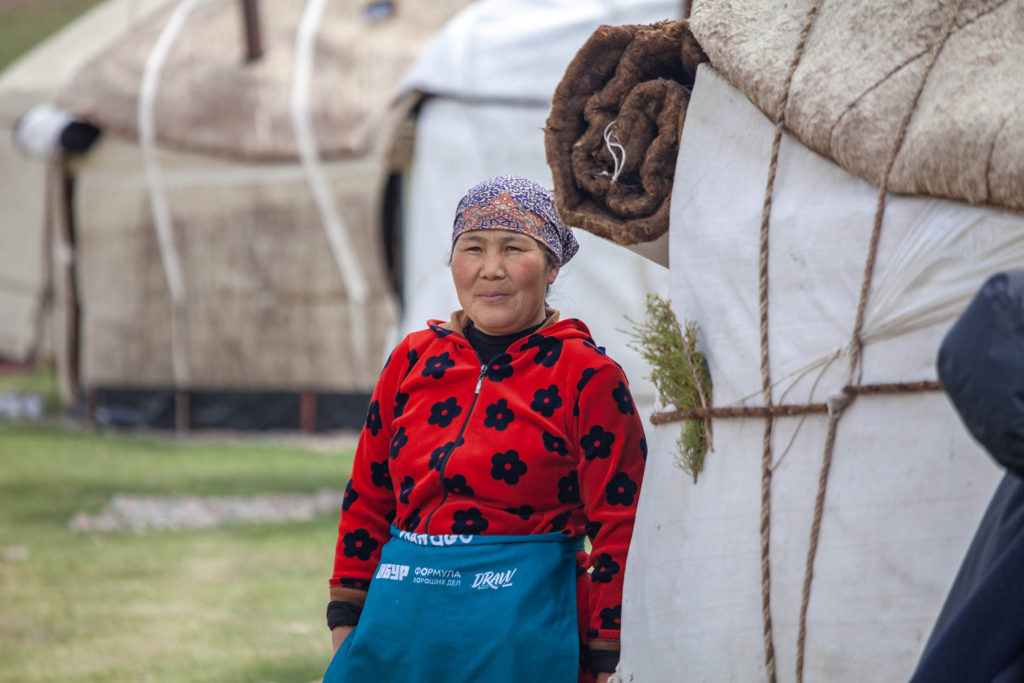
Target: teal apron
466	608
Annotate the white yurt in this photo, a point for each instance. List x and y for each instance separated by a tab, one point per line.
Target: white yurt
823	267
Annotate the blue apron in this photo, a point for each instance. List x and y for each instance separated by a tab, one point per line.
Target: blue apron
466	608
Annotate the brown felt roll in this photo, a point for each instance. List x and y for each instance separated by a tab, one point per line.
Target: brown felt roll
632	84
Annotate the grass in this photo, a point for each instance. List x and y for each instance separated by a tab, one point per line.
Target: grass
23	25
41	381
239	603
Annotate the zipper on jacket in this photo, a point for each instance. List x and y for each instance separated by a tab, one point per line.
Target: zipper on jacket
455	444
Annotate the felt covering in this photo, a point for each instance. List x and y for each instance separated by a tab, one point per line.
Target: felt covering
627	86
861	66
210	100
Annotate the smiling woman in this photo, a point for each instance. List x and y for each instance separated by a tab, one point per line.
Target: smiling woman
501	279
493	443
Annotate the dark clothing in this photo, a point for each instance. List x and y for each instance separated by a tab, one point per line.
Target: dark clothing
979	634
489	346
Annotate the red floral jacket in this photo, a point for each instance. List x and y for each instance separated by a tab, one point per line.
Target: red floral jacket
544	438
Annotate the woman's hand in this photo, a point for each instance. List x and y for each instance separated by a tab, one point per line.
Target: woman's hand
338	636
602	677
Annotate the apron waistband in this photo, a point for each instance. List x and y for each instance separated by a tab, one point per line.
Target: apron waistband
456	540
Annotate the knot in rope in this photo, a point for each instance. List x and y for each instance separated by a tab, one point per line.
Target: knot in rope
838	402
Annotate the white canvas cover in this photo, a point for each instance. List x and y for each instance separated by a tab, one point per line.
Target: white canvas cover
492	72
907	484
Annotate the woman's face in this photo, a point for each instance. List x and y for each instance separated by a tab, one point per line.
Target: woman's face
501	277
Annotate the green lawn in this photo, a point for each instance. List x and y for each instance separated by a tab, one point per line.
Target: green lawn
41	381
240	603
24	24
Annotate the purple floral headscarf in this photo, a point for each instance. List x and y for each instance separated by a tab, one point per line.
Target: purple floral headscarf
518	204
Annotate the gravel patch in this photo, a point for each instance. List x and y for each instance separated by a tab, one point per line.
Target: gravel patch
142	514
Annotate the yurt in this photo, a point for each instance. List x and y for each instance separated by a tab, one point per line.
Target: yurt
847	177
26	261
229	229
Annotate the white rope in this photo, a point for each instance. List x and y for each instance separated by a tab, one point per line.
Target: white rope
615	148
154	181
344	253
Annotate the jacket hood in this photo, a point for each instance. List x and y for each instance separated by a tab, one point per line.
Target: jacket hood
554	326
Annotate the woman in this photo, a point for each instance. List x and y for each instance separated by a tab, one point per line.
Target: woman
492	444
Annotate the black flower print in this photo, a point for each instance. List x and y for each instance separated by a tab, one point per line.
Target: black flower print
592	345
611	618
549	349
400	401
500	368
555	444
584	378
359	544
458	485
559	522
373	421
569	488
592	530
499	415
443	412
389	516
350	496
437	365
439	455
507	467
604	569
439	331
412	357
597	443
380	475
405	488
469	521
546	401
621	490
523	512
623	399
411	521
398	442
643	447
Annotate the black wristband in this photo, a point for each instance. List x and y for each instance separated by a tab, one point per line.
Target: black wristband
601	661
342	613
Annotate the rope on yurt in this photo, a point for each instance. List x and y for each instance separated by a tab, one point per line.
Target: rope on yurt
856	344
766	382
836	404
790	410
341	247
158	201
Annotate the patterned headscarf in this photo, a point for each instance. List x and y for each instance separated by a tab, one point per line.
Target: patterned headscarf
518	204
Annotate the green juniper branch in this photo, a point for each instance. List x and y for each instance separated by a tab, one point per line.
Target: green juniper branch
679	373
